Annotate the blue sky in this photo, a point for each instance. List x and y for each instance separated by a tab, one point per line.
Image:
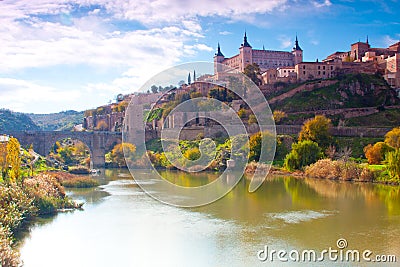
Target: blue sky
79	54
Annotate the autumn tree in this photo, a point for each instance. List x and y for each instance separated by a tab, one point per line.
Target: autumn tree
255	144
122	152
317	130
13	159
376	153
279	115
3	160
392	138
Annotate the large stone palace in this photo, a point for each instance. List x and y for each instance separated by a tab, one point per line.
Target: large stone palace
265	59
289	67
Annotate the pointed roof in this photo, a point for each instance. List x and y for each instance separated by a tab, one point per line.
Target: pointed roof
245	43
219	53
296	45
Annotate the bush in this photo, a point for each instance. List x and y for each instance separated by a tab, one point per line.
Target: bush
339	170
8	257
303	153
80	182
15	206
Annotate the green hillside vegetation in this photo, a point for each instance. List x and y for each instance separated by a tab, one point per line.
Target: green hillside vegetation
350	91
62	121
14	121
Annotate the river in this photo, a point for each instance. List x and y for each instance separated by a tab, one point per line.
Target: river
122	226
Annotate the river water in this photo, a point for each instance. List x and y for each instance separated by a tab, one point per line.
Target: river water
122	226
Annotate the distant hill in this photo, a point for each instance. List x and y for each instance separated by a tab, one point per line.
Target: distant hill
62	121
14	121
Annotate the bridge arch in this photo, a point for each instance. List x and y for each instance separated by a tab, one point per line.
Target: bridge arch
97	142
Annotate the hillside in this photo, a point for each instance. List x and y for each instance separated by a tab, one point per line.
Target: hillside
14	121
353	100
62	121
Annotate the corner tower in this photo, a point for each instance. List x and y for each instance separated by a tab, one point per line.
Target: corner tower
218	59
245	54
297	52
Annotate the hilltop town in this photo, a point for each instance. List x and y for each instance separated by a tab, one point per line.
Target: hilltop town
358	87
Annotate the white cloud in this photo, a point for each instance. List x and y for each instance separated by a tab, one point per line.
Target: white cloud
18	94
285	41
225	33
388	40
325	3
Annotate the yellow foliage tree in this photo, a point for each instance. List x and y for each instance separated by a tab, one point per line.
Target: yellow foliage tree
392	138
278	115
3	159
317	130
121	152
13	159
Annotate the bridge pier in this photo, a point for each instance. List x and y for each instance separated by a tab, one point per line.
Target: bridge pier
98	159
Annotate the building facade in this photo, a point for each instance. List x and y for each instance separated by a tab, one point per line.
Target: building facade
265	59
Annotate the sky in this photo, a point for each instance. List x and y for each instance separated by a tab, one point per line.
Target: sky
79	54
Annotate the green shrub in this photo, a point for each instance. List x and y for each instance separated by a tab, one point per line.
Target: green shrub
393	164
303	154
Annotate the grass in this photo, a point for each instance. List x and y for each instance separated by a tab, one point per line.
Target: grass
377	167
74	181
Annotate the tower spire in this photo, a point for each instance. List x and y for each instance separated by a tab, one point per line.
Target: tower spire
245	43
296	45
367	40
219	53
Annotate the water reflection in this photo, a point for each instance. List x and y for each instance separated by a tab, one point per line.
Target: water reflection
285	213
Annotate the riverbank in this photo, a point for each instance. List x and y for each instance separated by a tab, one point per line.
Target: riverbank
327	169
43	194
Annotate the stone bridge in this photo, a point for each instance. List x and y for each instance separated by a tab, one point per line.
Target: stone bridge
99	143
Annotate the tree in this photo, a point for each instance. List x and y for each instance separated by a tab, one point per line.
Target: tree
255	143
376	153
192	154
393	163
392	138
13	159
317	130
123	151
252	119
253	71
3	160
154	89
303	154
242	113
279	115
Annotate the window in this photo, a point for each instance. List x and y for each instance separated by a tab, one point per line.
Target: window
323	73
319	73
323	67
319	67
304	72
